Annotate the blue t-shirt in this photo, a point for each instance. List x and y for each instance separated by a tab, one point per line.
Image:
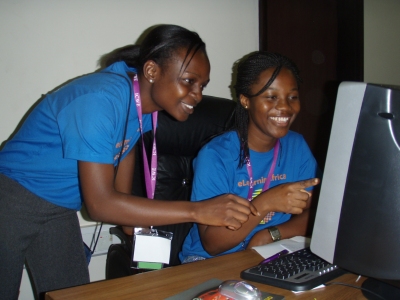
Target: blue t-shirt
217	172
84	120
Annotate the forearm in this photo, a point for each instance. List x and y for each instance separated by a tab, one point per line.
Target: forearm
105	203
108	198
296	226
129	210
217	240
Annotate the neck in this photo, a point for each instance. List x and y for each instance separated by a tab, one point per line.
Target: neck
261	143
147	103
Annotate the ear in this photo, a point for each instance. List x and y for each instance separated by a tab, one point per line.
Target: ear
244	101
150	70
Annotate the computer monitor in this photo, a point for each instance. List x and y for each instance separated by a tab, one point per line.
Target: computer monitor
357	225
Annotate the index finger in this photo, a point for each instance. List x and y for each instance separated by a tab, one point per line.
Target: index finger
307	183
254	210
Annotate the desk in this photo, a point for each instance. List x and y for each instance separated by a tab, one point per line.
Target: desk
174	280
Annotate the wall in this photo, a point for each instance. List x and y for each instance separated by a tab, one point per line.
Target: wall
46	42
382	41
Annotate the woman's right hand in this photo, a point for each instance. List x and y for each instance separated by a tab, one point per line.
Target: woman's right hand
289	198
227	210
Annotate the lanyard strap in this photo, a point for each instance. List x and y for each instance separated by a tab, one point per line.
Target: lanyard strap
149	175
271	172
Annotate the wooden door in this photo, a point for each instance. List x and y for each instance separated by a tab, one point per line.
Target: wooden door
325	39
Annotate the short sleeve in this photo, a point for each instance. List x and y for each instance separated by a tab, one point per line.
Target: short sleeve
87	127
210	175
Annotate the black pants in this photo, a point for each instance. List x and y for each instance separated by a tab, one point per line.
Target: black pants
44	236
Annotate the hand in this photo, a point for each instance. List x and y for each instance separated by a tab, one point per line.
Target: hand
227	210
289	198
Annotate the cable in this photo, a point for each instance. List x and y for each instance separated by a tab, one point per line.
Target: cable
97	238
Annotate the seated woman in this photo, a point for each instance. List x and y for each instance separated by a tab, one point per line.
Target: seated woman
261	160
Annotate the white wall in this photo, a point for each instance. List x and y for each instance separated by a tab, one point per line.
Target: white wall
382	41
46	42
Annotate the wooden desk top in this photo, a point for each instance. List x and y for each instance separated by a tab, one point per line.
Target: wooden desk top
167	282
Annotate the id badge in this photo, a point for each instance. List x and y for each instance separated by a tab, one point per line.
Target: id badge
151	248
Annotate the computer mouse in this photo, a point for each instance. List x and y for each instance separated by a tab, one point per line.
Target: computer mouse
239	290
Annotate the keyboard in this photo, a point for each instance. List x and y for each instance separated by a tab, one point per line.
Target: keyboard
297	271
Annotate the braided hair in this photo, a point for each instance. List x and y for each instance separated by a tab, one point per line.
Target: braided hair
248	73
160	45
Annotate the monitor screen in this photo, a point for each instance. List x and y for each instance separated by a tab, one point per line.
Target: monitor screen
357	225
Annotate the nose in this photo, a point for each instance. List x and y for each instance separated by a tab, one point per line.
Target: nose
197	93
283	104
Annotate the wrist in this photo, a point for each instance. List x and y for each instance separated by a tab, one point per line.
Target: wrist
263	207
275	233
193	210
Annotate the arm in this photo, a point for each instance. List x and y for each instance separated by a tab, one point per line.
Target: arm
124	179
288	198
114	204
296	226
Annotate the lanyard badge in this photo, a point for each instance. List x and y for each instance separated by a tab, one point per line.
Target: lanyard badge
151	247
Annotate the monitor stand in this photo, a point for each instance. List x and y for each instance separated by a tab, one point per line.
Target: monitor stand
386	291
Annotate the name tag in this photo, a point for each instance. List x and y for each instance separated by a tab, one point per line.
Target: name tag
152	248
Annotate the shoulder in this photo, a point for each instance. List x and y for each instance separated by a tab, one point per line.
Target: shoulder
293	138
294	145
226	141
222	147
110	86
111	78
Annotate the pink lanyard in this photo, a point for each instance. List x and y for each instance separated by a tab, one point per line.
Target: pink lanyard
150	177
271	172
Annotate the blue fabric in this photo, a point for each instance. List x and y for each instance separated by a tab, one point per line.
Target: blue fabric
216	172
83	120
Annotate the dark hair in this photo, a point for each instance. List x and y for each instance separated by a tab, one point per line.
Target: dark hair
160	44
248	72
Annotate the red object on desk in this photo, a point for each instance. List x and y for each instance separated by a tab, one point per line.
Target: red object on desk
212	295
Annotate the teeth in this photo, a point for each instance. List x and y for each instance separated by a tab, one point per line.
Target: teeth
188	106
280	119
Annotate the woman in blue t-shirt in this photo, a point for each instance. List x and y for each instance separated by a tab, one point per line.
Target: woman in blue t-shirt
77	144
261	160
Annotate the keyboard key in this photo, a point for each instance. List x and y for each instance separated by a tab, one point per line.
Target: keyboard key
298	271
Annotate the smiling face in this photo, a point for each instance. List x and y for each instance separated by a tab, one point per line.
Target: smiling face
178	86
272	112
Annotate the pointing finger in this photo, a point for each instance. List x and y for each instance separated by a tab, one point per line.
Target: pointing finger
307	183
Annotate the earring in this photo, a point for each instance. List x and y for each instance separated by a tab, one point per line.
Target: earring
245	107
151	80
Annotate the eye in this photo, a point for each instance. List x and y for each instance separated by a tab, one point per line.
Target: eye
203	86
271	97
293	98
188	80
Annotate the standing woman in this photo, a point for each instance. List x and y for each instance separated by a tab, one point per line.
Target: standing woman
261	160
78	144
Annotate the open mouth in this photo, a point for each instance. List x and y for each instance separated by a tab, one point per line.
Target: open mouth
187	105
187	108
281	120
